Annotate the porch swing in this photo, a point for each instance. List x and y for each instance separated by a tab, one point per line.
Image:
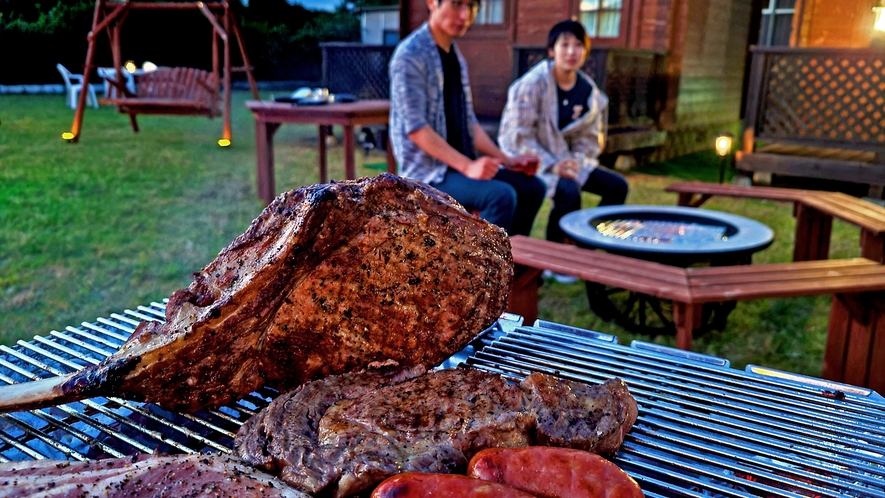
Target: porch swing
168	90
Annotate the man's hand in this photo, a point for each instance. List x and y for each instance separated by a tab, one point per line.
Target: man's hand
567	168
526	163
484	168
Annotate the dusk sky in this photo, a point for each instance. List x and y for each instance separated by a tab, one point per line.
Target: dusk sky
327	5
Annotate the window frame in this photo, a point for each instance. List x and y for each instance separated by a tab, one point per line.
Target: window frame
627	13
480	31
772	12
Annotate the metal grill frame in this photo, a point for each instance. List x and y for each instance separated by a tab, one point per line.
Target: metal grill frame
704	429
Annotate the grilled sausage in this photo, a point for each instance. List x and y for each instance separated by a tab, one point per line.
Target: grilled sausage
419	485
549	472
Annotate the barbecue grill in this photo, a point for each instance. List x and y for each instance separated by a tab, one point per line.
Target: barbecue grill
704	429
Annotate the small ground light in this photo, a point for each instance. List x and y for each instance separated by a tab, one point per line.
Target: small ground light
723	150
723	145
223	142
67	136
130	66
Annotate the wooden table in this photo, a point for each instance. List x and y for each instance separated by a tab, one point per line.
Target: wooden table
270	115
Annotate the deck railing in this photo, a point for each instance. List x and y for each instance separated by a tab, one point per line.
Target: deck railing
633	79
828	97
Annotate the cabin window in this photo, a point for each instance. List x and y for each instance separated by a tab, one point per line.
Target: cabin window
602	18
777	22
490	12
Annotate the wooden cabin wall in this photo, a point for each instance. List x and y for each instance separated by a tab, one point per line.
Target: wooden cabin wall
711	74
706	42
833	23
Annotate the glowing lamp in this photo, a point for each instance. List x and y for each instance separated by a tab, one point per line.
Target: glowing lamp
67	135
879	9
723	144
223	142
130	66
148	66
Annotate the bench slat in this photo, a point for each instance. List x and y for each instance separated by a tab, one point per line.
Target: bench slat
774	276
823	264
851	209
727	190
788	288
580	255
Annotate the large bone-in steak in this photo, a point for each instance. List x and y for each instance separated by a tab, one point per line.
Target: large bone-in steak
345	434
142	476
328	279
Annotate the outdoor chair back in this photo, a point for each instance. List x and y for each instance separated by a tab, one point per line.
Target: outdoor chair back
74	85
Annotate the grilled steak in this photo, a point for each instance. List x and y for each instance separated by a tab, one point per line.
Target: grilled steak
328	279
344	434
144	476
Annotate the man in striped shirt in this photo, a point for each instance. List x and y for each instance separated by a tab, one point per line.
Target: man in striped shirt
434	132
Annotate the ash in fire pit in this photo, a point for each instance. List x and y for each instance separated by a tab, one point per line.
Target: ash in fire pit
661	232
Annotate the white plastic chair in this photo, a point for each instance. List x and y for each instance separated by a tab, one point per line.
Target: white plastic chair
73	85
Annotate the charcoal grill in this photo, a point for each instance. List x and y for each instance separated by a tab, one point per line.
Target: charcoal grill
704	429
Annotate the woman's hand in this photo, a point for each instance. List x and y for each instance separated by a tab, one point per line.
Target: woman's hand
567	168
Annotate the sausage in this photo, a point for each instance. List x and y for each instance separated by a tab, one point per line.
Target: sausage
420	485
549	472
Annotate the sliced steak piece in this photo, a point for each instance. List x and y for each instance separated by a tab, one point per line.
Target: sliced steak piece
350	439
144	476
327	280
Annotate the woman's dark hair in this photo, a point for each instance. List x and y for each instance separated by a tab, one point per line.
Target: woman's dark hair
571	27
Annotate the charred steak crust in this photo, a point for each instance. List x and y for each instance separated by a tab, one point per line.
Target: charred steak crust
344	434
328	279
145	476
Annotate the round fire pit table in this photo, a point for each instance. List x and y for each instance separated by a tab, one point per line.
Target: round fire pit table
673	235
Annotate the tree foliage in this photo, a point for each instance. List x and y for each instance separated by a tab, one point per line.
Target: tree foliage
282	40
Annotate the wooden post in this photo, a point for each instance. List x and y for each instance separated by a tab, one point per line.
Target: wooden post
855	350
684	317
813	229
523	299
247	66
87	68
226	134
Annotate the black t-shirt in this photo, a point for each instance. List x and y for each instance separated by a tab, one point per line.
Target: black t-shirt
455	105
573	103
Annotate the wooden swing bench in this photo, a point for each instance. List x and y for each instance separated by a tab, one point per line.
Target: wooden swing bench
169	90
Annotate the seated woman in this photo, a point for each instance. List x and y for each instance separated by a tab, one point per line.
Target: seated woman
557	112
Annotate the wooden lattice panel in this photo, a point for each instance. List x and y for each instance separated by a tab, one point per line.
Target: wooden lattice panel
834	96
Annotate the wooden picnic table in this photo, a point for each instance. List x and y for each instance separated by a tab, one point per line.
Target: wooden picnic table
270	115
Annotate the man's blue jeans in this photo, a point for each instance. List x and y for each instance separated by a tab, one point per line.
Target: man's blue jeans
510	199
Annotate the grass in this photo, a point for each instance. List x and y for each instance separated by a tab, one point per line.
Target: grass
122	219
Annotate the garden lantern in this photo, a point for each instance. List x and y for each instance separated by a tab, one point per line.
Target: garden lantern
723	145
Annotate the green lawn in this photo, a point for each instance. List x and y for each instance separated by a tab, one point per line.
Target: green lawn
122	219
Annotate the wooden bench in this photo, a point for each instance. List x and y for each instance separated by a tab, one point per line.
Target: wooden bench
856	329
169	90
814	212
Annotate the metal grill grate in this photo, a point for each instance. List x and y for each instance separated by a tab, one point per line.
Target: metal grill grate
99	427
704	429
